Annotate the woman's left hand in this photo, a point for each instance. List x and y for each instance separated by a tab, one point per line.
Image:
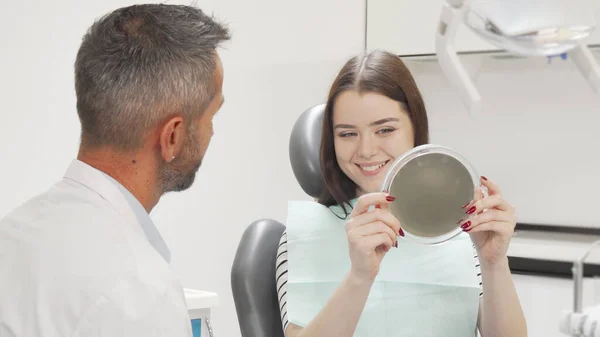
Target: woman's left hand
491	223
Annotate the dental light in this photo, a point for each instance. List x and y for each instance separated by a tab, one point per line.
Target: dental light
525	27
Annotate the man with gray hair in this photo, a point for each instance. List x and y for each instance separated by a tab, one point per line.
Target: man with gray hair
84	258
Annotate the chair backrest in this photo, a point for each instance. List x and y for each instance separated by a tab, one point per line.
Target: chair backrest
253	280
253	272
305	144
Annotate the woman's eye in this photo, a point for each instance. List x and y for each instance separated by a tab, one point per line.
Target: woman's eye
347	134
386	130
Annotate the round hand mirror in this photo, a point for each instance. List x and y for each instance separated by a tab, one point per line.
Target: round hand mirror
431	184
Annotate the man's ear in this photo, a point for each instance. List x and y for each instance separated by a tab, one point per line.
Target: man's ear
172	138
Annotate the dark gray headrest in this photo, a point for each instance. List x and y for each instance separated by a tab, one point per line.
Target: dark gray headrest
305	142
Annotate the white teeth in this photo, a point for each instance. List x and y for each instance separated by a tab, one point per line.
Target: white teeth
372	168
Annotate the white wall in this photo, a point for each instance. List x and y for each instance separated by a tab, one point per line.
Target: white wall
281	60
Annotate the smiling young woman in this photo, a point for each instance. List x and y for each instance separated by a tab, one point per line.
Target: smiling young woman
374	114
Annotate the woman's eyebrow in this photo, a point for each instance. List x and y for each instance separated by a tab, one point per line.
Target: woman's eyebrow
385	120
377	122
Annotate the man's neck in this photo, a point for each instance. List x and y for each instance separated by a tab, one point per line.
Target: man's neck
135	171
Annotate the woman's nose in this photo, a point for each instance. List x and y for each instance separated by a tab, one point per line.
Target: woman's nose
367	147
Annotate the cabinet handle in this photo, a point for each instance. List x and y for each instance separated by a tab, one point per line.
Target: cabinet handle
209	327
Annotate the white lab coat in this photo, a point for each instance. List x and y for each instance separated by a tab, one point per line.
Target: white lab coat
76	261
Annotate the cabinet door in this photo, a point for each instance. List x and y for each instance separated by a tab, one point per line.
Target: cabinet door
408	27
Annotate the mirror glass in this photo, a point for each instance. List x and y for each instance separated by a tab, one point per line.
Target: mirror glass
431	184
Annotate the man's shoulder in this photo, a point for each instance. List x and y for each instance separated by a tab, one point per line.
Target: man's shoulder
66	200
69	234
61	221
71	250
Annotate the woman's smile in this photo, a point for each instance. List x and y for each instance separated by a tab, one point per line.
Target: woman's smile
372	169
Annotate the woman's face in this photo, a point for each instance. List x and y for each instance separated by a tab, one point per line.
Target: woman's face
369	131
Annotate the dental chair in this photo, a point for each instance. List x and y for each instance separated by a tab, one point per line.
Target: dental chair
253	271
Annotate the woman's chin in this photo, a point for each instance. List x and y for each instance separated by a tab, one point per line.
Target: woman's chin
373	187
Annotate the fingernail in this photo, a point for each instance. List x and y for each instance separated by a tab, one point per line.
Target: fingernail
396	244
390	198
471	210
465	225
377	206
401	232
467	229
484	178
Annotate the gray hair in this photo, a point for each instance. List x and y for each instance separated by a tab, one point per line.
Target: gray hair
141	64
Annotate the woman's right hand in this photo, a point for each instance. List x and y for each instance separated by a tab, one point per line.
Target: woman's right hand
371	234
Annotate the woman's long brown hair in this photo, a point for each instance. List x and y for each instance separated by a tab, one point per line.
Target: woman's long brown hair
377	72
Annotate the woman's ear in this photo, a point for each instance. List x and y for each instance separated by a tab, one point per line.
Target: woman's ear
172	138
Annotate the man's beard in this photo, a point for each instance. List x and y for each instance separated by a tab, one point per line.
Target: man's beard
179	174
176	178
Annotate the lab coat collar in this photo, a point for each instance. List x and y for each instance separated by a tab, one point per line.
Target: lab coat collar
121	199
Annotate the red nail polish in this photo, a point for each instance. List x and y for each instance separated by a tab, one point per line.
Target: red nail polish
471	210
484	178
396	244
467	229
465	225
390	198
401	232
377	206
